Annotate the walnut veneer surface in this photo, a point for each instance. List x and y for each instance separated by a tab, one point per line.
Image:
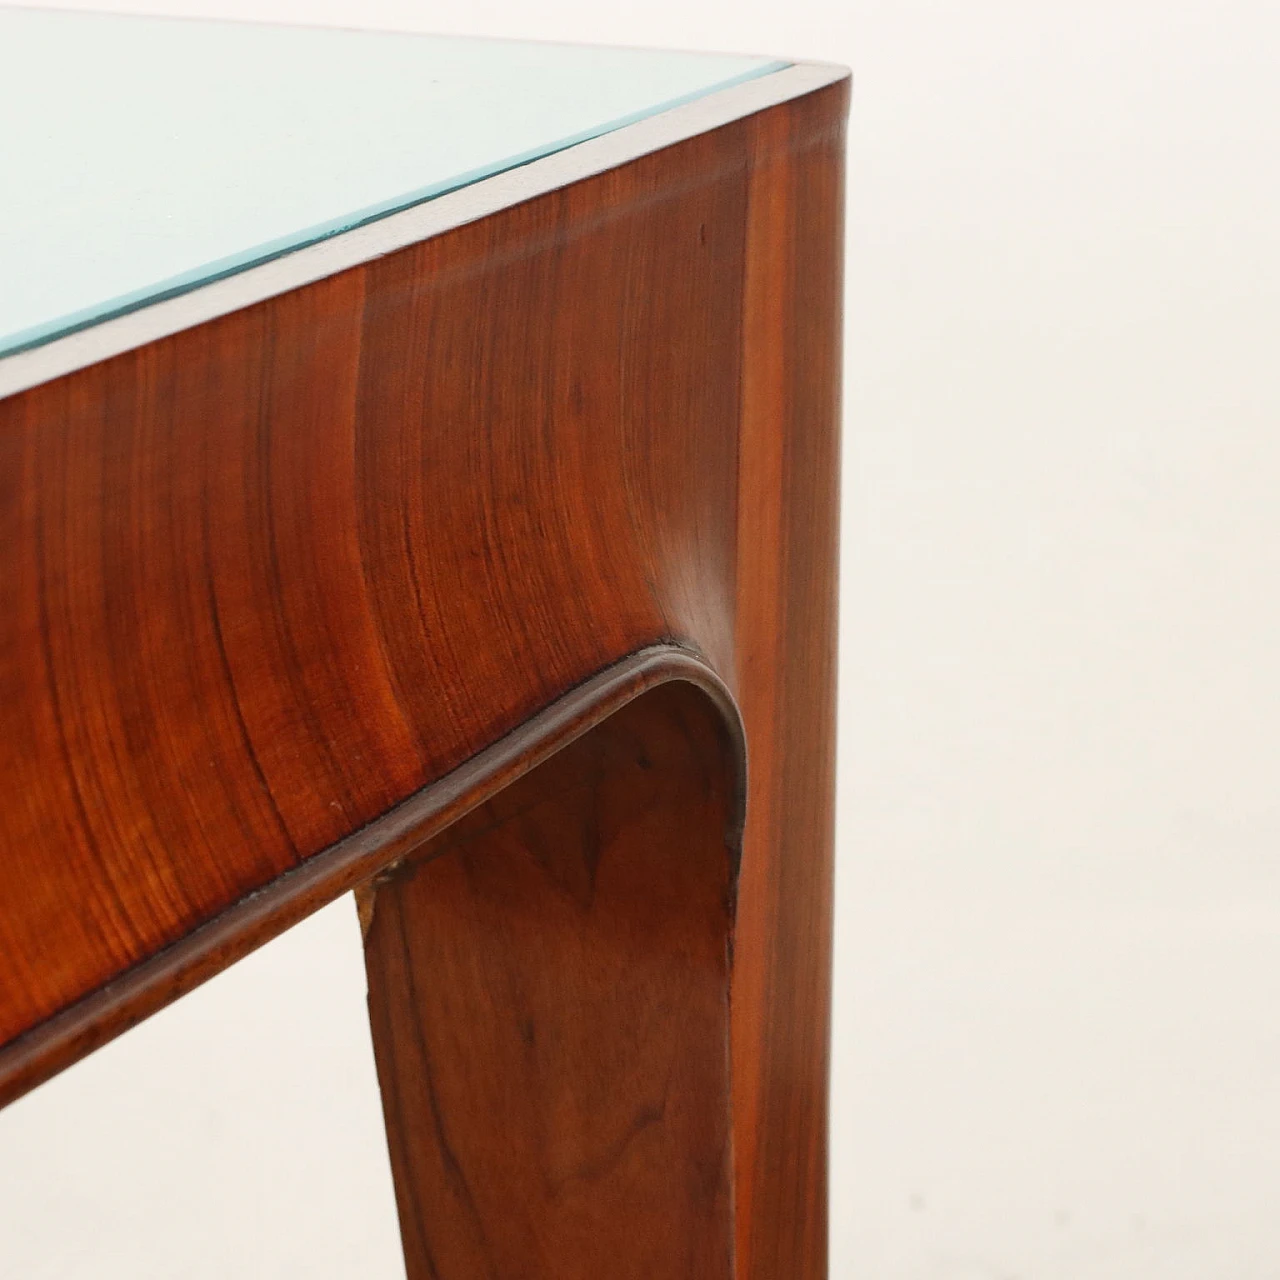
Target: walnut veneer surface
538	515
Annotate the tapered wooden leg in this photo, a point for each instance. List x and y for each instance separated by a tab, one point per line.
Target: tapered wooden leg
548	991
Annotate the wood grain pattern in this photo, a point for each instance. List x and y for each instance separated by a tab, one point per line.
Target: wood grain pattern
549	994
351	863
785	635
268	581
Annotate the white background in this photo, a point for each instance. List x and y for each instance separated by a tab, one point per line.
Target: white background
1057	1029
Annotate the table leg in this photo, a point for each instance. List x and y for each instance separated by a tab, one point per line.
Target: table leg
548	990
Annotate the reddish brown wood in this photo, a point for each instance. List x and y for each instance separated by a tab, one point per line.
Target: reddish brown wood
269	581
352	862
785	638
549	993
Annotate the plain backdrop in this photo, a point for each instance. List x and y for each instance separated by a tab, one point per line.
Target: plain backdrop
1057	1023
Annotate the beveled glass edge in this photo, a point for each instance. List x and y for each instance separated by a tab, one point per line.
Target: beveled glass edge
158	317
255	255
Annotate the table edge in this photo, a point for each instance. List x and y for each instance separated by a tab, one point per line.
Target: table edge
111	337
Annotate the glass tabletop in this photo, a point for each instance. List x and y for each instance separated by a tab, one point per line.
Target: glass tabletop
141	157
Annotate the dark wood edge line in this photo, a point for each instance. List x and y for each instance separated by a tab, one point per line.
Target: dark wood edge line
33	1057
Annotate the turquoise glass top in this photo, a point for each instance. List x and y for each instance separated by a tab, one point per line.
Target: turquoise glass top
140	157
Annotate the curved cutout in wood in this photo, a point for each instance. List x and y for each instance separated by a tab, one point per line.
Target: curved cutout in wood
111	1010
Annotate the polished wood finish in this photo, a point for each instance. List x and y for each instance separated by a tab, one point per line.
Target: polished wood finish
549	994
785	650
270	586
353	862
